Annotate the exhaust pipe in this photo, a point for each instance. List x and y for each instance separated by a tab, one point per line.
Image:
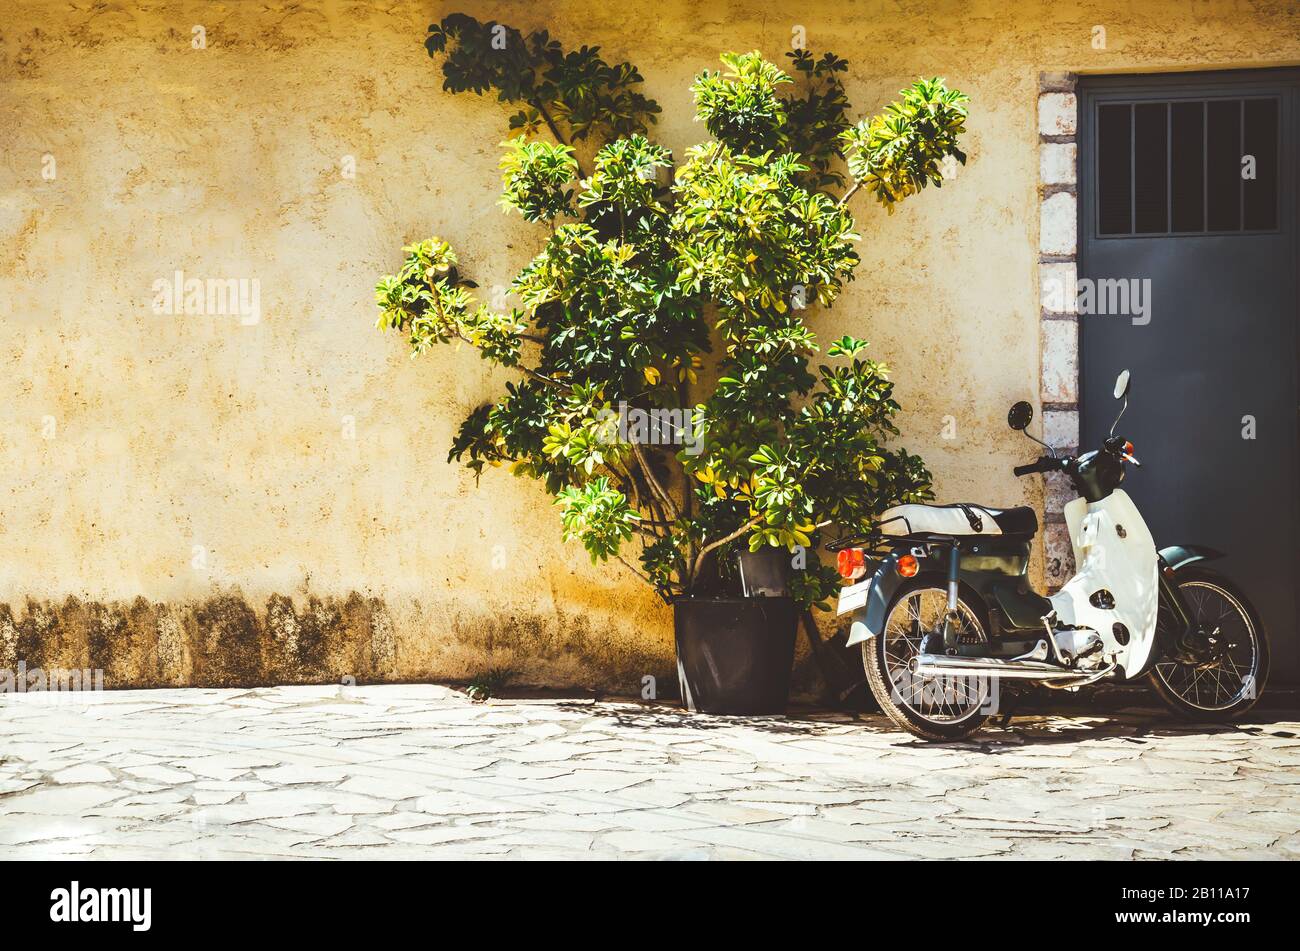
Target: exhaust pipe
929	666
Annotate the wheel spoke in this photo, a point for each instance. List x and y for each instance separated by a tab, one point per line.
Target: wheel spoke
944	699
1218	613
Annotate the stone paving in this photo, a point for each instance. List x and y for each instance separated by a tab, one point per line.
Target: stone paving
420	772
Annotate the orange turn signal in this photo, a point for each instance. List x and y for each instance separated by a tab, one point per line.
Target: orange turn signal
908	566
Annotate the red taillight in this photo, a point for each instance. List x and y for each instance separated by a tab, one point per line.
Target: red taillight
851	563
908	566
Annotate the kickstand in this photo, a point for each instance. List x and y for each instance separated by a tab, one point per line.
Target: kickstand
1013	701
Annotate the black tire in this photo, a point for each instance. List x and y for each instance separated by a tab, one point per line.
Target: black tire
1178	685
882	656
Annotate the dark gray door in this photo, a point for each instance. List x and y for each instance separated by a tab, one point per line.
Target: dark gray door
1189	182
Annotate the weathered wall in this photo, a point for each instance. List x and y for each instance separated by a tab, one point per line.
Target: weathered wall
196	500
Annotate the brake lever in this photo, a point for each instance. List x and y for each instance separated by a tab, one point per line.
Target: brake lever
1128	458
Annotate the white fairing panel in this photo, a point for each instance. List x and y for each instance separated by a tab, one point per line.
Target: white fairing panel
1114	551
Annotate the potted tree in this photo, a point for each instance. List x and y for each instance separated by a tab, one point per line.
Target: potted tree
666	395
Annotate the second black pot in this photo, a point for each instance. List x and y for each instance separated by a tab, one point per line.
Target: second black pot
734	654
764	573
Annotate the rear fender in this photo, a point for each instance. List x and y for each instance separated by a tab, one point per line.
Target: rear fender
869	620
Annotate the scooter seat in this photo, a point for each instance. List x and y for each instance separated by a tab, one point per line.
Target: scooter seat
962	518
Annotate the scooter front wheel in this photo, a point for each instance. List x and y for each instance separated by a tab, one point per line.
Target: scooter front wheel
943	708
1220	674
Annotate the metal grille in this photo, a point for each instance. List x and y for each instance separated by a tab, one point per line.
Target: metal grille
1187	167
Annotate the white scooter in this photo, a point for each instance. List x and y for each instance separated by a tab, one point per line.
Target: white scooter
944	613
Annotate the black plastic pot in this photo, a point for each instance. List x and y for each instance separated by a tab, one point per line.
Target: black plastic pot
734	654
764	573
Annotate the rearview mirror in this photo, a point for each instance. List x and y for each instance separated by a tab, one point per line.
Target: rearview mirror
1121	385
1020	416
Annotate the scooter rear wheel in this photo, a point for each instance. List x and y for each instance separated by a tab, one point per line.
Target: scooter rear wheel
1231	678
948	708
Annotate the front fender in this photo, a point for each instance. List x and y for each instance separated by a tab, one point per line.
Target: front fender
869	619
1179	556
1168	635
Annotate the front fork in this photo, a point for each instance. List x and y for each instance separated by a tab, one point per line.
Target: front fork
1179	640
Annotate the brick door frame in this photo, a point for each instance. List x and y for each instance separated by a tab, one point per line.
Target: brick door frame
1058	250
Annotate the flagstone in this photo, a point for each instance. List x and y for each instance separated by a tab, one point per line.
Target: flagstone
403	820
140	810
572	805
520	771
411	771
235	785
50	829
785	808
84	773
237	812
458	804
641	841
438	834
964	846
786	846
320	826
729	813
16	785
59	800
359	839
544	730
44	851
160	774
388	788
574	843
296	774
343	803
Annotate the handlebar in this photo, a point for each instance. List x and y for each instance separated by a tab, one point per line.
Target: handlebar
1044	464
1115	445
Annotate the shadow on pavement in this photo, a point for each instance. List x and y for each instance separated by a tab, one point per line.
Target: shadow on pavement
1029	727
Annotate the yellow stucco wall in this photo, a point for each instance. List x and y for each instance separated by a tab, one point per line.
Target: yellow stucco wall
180	500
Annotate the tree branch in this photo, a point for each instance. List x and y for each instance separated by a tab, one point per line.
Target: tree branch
643	498
555	131
684	399
654	483
632	568
699	559
461	335
844	200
